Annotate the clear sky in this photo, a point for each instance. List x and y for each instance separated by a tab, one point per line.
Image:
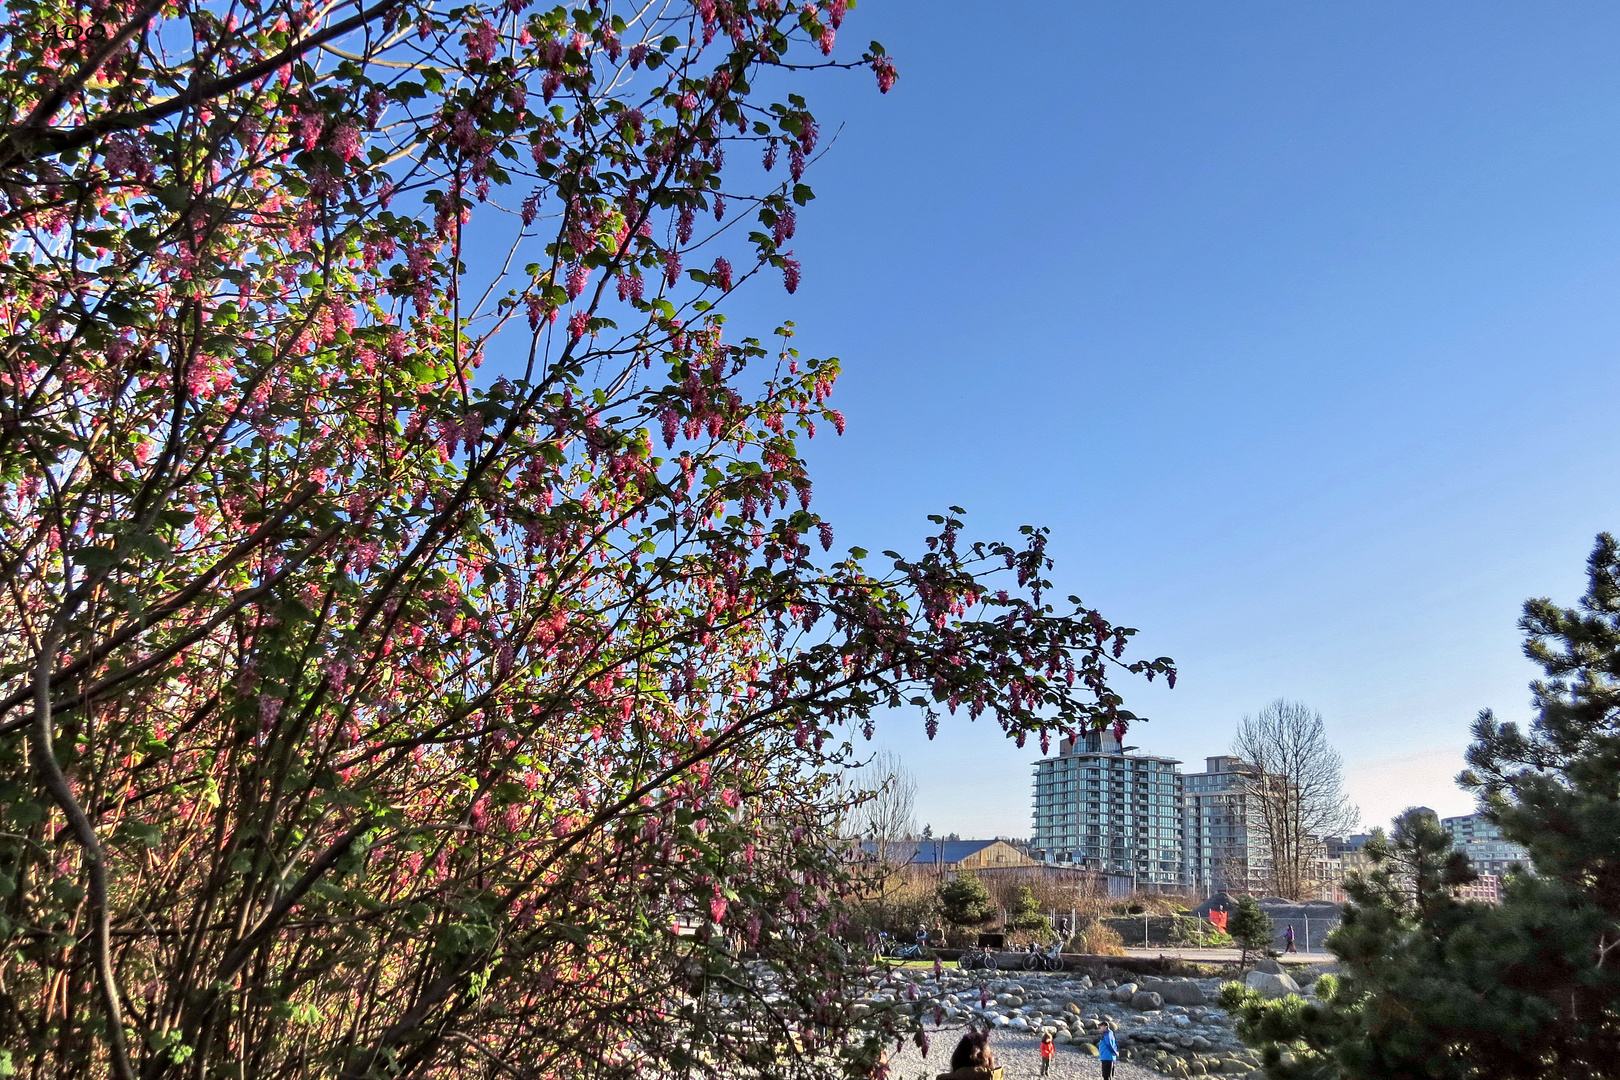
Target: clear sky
1295	322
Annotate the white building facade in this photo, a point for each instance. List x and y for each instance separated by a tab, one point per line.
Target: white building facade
1102	808
1226	850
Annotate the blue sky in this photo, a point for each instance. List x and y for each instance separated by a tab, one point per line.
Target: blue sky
1295	323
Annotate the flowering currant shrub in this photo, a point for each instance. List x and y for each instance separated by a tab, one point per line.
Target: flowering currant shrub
419	655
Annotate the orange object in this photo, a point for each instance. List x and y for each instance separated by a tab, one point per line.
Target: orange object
1217	919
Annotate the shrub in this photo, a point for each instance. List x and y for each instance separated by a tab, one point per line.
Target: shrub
1097	940
1251	928
1026	915
965	901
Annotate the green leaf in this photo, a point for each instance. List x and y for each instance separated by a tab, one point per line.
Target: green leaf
96	556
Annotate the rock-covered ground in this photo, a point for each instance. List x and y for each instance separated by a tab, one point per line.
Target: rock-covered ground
1169	1026
1019	1055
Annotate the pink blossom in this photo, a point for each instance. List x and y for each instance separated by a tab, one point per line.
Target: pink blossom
346	142
578	275
638	53
826	535
883	67
309	129
835	12
786	223
790	274
770	157
837	419
634	119
481	42
722	273
578	322
269	709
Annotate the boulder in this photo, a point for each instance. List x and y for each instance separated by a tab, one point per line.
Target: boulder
1125	991
1270	986
1176	991
1146	1000
1268	965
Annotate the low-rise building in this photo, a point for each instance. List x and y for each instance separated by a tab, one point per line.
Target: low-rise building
947	858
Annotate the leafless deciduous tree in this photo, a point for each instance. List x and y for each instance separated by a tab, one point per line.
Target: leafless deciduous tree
1297	789
883	814
888	813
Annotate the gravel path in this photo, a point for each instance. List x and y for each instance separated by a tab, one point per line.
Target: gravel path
1018	1055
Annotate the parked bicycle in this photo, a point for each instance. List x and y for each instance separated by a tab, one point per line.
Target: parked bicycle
1039	959
892	949
977	957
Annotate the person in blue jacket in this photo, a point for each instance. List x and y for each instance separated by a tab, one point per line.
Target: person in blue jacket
1107	1049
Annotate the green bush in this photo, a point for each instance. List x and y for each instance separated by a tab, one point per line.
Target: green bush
1025	915
1251	928
965	901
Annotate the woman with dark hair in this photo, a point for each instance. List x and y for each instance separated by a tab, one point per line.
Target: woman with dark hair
972	1059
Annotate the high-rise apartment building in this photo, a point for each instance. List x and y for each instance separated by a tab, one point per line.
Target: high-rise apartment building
1226	850
1102	808
1481	840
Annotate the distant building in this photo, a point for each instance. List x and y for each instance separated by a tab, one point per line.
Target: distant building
1488	889
1226	850
1101	808
1481	840
1346	853
1341	856
949	857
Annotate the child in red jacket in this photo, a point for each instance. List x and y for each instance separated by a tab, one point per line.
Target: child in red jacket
1048	1047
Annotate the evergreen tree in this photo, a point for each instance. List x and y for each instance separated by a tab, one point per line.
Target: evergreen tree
1251	928
1026	913
1529	989
965	901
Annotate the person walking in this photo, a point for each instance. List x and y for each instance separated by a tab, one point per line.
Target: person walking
1107	1049
1288	939
1048	1048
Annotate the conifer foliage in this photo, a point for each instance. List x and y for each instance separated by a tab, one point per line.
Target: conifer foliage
1251	928
965	901
415	655
1528	989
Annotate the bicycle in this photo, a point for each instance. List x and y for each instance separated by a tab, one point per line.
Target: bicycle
897	951
976	957
1044	960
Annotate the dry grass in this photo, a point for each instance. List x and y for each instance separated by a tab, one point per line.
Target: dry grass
1098	940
